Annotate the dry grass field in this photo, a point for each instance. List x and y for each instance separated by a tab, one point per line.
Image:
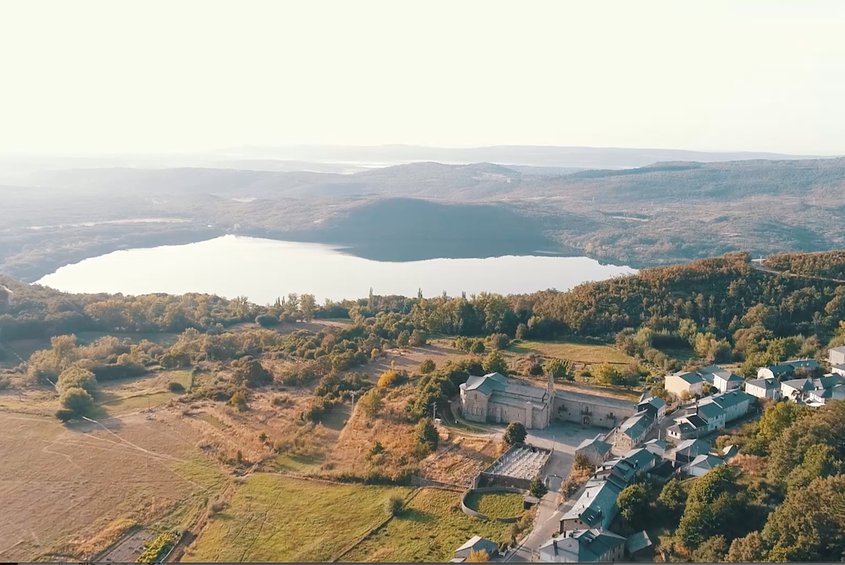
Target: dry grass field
580	353
73	490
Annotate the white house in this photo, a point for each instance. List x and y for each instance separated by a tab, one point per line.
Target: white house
814	392
735	403
836	356
684	382
720	378
702	464
787	369
763	388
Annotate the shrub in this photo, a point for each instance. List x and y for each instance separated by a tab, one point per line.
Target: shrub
239	401
479	556
282	400
393	505
155	550
388	378
427	367
65	415
537	488
175	387
267	320
77	400
515	433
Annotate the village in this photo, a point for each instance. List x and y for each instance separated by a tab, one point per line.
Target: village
652	440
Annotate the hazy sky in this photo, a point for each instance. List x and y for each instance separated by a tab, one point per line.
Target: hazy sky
195	75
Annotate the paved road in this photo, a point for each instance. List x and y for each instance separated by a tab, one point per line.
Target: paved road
757	264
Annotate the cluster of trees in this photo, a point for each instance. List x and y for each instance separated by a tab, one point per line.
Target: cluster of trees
31	311
722	308
107	358
784	500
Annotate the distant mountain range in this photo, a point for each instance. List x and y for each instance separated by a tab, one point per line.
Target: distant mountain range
533	155
666	212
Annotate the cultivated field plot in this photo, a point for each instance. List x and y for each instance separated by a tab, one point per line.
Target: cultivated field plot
496	504
277	518
430	528
583	353
460	460
74	490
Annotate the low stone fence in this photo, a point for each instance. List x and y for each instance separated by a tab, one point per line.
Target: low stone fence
475	514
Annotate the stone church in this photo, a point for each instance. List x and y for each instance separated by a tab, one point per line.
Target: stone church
496	398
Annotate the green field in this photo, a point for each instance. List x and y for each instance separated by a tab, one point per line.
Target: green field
431	528
277	518
496	504
586	353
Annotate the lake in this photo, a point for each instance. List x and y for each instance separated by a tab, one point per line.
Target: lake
263	269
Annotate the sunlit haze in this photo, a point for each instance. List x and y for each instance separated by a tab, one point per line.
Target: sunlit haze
89	76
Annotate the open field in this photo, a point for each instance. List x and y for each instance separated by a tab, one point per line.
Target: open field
430	528
75	489
496	504
409	358
583	353
277	518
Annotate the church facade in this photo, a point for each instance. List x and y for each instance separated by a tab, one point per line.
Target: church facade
497	399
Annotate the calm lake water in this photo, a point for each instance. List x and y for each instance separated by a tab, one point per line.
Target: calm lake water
263	269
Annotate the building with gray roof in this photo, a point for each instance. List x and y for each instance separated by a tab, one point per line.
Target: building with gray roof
583	546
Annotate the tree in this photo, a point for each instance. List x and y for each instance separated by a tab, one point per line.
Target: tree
581	462
711	551
560	369
77	377
819	461
426	434
494	362
77	400
537	488
371	402
673	497
403	339
633	503
823	426
713	507
417	338
810	524
250	372
307	305
515	433
427	366
748	549
606	374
